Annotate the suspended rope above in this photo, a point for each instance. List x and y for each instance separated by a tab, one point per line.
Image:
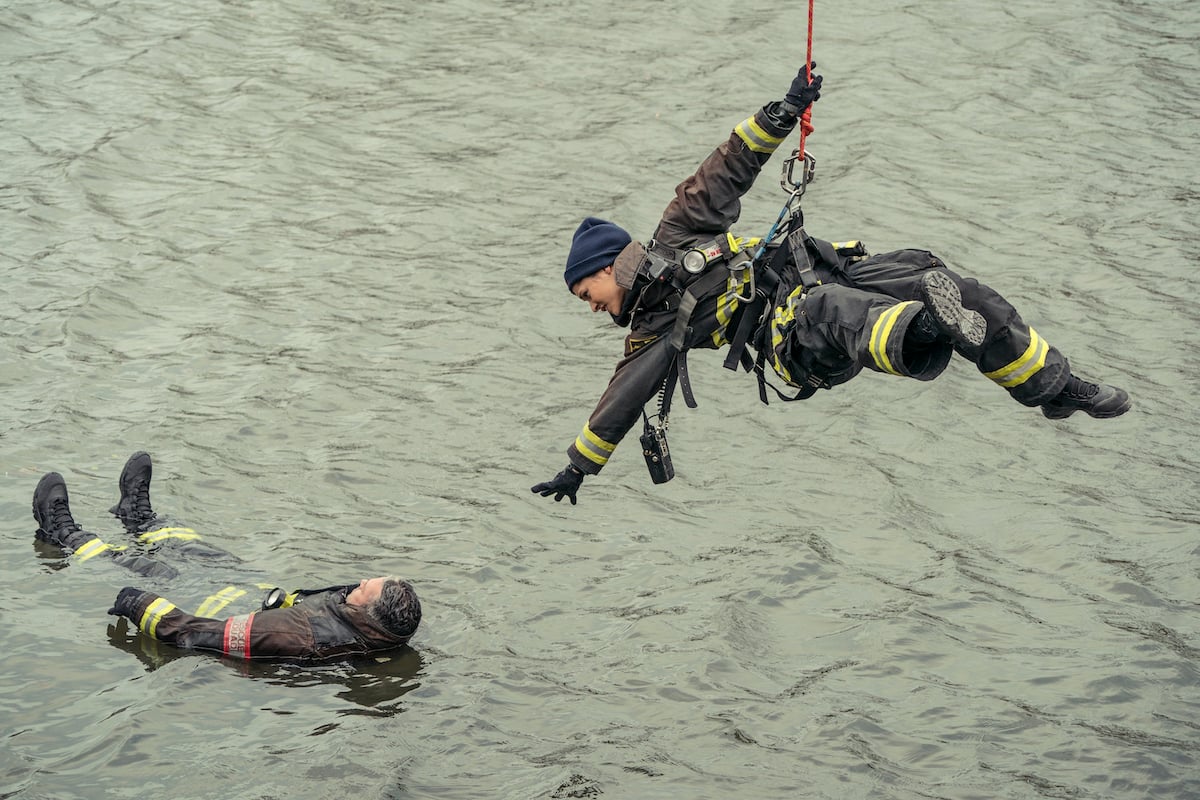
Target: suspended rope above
806	126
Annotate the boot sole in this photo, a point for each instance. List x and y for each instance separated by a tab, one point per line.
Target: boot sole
1063	413
944	300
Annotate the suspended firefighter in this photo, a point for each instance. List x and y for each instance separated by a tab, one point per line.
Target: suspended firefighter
816	312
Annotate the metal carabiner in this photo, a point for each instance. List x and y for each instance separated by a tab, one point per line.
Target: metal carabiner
753	289
788	181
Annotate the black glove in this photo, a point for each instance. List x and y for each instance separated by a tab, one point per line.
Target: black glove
802	94
126	600
564	484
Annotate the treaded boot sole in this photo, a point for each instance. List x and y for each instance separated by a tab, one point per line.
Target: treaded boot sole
944	301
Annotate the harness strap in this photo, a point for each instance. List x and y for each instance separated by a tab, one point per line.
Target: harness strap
746	329
706	283
797	240
680	371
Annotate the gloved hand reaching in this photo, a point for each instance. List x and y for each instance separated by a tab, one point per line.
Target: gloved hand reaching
802	94
126	602
564	484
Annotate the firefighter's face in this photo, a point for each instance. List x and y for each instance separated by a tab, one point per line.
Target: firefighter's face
367	592
600	291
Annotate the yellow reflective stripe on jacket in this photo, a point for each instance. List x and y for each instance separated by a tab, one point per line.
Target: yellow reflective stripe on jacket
881	333
783	317
91	547
756	138
593	447
153	614
168	533
727	304
1024	366
215	602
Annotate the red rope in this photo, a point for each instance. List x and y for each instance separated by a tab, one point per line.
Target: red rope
806	126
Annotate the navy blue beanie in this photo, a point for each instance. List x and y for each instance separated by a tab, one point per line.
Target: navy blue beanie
596	244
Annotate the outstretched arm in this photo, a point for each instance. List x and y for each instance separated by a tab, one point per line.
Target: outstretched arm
277	633
638	376
708	202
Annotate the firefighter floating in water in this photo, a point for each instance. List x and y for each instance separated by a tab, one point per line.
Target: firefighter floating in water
816	312
371	616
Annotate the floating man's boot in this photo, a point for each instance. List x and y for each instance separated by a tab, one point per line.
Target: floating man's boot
52	510
134	508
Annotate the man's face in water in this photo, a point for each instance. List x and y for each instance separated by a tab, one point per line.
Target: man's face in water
600	291
367	591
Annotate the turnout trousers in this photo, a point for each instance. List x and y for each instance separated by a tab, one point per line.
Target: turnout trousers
1013	355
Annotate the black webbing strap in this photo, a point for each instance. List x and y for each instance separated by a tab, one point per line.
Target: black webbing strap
680	370
706	283
797	240
751	316
668	390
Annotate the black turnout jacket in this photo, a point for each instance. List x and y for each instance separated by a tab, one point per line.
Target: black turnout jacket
705	205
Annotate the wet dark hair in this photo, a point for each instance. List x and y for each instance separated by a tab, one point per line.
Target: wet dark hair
397	609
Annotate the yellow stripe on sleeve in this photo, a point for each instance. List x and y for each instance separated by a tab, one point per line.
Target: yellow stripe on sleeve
593	447
154	614
756	138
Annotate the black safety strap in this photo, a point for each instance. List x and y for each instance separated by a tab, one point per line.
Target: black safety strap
680	371
706	283
683	329
747	325
796	240
668	391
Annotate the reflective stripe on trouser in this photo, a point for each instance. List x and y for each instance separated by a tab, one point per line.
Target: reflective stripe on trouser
1024	366
160	534
1013	355
93	547
843	329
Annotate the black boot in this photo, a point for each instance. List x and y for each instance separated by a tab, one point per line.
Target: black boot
943	301
52	510
1097	399
134	509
